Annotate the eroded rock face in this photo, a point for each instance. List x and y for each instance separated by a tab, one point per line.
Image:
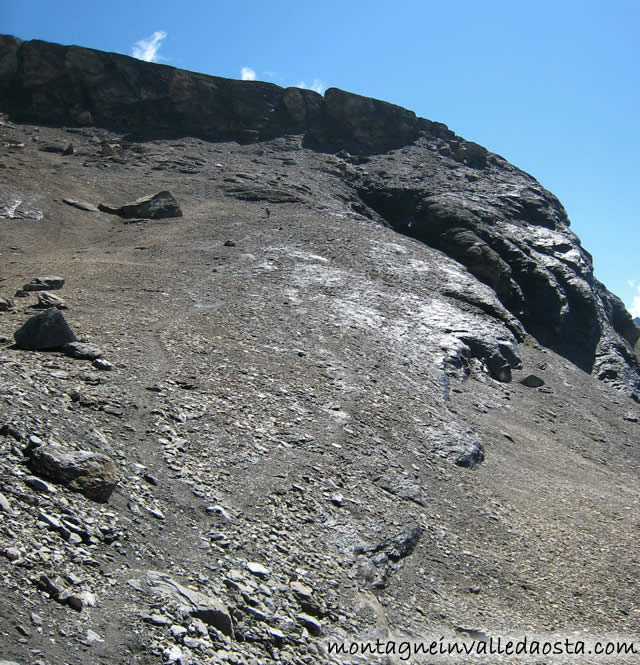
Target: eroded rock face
514	236
47	82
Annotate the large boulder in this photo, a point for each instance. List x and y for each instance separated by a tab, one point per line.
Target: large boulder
155	206
44	331
93	474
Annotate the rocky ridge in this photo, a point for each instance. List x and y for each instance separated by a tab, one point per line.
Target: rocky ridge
341	401
497	221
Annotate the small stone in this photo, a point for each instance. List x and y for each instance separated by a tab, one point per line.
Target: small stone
532	381
311	624
158	514
197	604
257	569
75	539
82	350
78	601
49	283
12	553
5	506
301	590
103	365
178	631
23	630
81	205
35	441
157	620
46	299
54	586
229	243
6	304
337	499
136	584
193	642
52	521
92	637
220	512
39	485
199	626
173	654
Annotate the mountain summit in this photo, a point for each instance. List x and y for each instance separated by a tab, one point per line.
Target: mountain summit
293	370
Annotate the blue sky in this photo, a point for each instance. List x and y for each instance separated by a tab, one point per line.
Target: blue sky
552	86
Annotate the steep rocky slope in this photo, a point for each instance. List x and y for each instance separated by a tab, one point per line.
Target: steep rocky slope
314	404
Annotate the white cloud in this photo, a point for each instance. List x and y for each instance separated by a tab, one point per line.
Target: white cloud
248	74
147	49
635	307
317	85
631	282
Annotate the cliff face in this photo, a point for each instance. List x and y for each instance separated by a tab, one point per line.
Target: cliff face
336	380
507	230
49	83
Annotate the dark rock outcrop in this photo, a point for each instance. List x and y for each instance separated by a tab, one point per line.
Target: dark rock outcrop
50	83
44	331
514	236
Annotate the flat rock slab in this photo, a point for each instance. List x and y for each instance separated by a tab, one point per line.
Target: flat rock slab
155	206
48	283
82	205
197	604
93	474
46	300
44	331
82	351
